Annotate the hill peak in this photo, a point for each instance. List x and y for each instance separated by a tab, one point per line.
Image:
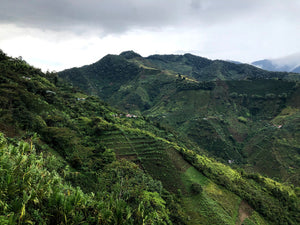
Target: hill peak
130	54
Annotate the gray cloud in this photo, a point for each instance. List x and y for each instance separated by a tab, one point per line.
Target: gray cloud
121	15
290	60
107	15
242	30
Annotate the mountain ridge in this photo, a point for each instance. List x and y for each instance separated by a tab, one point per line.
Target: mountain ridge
289	63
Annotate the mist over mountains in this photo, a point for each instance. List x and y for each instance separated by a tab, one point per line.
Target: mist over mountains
289	63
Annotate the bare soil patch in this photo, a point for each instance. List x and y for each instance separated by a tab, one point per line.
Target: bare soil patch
245	211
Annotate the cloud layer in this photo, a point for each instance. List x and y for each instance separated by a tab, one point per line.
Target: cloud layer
228	29
120	15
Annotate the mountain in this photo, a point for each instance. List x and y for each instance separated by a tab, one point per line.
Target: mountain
270	65
296	70
203	69
237	113
289	63
68	158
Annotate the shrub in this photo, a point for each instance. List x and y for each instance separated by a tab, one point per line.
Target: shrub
242	119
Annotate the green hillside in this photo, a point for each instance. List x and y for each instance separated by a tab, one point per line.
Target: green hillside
100	77
203	69
69	158
226	110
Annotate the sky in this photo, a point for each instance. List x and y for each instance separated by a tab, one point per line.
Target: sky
59	34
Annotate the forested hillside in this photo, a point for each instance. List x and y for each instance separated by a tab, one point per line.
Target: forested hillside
244	116
69	158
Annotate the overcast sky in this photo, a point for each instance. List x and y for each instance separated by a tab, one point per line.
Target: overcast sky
59	34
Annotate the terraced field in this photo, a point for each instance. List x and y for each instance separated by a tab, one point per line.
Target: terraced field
214	204
153	155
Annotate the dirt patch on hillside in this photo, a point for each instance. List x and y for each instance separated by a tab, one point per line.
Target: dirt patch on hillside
245	211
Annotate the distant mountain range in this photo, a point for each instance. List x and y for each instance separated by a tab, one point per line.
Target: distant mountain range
289	63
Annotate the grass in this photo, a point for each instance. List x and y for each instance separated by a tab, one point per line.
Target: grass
215	205
194	176
255	218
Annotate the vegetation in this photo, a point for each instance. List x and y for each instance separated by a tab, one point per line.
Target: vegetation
69	158
266	196
69	152
203	69
218	108
32	192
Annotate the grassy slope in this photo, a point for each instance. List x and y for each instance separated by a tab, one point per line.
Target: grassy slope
217	204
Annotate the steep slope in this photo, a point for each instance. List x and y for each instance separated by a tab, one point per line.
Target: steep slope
236	118
103	77
68	123
32	192
296	70
227	118
87	136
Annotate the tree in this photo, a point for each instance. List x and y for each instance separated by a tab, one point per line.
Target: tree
2	55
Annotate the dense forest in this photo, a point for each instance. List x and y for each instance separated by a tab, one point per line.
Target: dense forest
67	157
